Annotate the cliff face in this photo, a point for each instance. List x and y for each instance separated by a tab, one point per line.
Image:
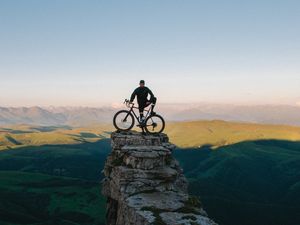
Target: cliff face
145	185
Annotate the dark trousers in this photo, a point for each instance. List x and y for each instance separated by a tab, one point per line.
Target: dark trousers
143	104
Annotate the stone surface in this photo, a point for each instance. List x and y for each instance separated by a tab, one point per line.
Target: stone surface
145	185
175	218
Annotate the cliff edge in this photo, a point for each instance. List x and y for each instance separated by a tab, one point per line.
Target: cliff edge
145	185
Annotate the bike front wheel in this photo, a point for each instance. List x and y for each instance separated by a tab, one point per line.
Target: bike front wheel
155	124
123	120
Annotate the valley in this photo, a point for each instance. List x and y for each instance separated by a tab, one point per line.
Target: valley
244	173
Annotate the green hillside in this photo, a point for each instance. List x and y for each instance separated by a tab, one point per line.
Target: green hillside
33	198
53	184
241	174
249	183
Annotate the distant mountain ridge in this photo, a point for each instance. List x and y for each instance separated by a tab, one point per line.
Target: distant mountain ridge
82	116
74	116
268	114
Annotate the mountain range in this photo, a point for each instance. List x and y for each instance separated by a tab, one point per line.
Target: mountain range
83	116
75	116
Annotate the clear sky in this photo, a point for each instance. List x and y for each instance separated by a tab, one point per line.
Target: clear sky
90	53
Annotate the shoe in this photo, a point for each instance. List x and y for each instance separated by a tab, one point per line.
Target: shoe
142	119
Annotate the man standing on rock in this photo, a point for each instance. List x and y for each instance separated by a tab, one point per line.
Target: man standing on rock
142	93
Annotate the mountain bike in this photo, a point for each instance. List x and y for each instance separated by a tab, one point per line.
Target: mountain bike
152	122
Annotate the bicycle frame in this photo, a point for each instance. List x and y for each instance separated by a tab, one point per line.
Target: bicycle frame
149	111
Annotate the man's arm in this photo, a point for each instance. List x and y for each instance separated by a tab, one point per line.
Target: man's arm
133	95
151	95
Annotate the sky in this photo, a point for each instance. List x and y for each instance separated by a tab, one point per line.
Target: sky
93	53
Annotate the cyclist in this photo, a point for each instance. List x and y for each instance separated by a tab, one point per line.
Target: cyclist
142	93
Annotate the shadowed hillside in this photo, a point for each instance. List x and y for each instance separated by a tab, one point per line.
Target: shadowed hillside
53	184
254	182
247	182
34	198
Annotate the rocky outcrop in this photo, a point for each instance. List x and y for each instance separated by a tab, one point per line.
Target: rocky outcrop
145	185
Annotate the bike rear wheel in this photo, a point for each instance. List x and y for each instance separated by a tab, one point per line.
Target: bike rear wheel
155	124
123	120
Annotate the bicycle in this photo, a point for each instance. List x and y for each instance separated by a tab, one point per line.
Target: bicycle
152	123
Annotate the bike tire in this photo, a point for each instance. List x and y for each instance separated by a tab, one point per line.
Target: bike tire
116	117
162	121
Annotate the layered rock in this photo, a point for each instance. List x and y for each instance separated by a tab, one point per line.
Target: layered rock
145	185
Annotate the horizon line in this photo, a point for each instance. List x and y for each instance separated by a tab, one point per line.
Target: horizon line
116	105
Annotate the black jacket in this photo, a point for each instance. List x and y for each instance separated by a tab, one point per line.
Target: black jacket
142	95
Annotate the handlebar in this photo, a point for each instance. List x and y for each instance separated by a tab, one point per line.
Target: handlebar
128	103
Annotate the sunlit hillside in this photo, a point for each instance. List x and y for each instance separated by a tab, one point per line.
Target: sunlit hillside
184	134
24	135
52	174
219	133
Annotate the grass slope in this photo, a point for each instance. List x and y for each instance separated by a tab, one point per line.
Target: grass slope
249	183
219	133
33	198
247	179
25	135
184	134
53	184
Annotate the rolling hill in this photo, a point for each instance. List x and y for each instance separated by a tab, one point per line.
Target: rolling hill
219	133
249	183
187	134
39	199
53	184
245	173
16	136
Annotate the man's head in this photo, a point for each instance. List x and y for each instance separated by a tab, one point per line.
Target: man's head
142	83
